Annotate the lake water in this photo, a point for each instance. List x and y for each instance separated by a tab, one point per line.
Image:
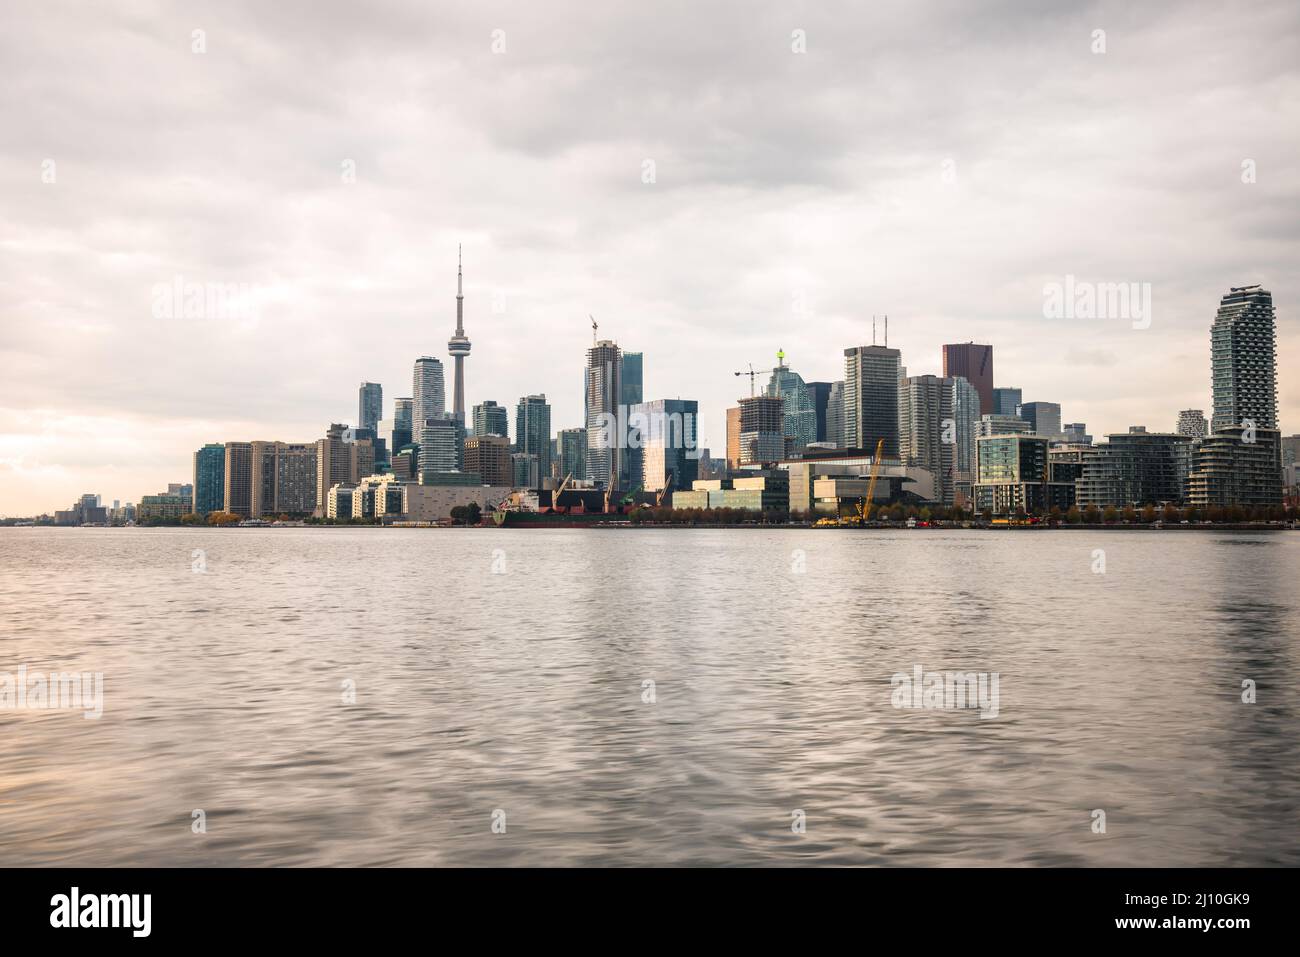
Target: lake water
501	677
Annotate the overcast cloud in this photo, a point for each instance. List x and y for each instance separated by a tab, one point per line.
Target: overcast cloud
783	182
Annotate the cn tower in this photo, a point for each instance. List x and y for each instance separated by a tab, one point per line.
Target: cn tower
458	346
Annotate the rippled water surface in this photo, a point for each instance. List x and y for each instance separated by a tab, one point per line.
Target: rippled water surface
504	670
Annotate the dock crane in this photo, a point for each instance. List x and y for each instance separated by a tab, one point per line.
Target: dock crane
555	496
668	487
751	373
864	504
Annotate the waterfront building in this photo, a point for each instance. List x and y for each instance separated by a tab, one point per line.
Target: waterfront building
429	401
1243	360
238	492
871	375
533	430
338	501
754	491
459	347
1001	425
333	464
1012	475
974	363
1236	466
370	405
167	506
488	456
895	481
209	478
1135	468
433	503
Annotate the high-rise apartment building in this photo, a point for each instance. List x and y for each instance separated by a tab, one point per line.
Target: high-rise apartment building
871	376
488	456
283	479
974	363
1136	468
491	419
238	492
333	464
965	429
209	478
573	452
605	444
370	405
925	420
441	447
1243	350
533	430
429	400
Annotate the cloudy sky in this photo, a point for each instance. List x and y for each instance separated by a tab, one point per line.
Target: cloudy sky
678	170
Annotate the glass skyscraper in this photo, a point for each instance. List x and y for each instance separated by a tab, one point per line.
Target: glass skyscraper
370	405
798	411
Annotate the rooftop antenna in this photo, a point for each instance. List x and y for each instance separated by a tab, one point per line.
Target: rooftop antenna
780	358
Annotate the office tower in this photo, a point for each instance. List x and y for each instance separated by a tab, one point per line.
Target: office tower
238	491
835	415
488	456
966	419
404	414
1076	433
573	453
1243	351
665	430
533	430
820	393
333	464
605	444
458	346
1006	400
799	413
428	401
762	429
1044	418
1135	468
370	405
733	438
974	363
871	376
491	419
925	412
632	378
1192	423
440	446
209	478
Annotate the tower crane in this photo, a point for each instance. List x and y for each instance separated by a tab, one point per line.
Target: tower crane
751	373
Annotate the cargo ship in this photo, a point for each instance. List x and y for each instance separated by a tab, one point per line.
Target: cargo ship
569	507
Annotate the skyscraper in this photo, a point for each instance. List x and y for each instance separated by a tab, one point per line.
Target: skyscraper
762	429
667	443
925	413
1006	400
966	419
974	363
603	395
820	393
1044	418
871	398
238	497
835	415
429	399
403	413
209	478
632	378
799	413
441	447
1243	356
458	346
573	452
491	419
488	456
370	405
733	437
533	430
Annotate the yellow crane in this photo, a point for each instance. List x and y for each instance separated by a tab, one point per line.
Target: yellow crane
555	496
864	504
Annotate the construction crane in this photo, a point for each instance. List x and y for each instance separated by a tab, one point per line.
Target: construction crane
864	505
668	487
594	327
751	373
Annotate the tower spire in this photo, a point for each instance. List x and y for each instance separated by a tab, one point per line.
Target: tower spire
459	345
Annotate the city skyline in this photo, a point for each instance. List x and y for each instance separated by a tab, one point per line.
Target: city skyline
735	249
